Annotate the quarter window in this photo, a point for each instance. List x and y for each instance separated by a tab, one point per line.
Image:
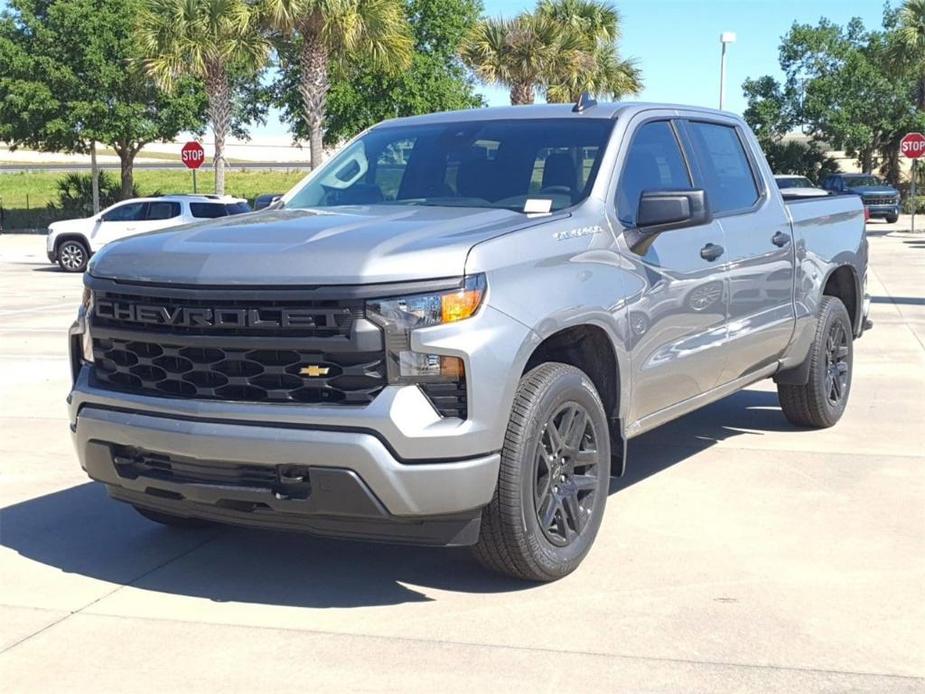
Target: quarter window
207	210
654	162
727	174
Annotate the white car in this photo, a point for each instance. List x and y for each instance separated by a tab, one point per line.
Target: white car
71	242
798	187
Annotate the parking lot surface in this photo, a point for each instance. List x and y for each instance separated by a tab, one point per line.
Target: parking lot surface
739	554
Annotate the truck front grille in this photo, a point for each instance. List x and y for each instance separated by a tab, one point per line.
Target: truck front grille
880	200
236	345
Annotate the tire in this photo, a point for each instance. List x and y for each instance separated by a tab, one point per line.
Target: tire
822	400
171	520
73	255
513	540
892	219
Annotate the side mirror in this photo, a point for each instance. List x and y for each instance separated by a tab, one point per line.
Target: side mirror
662	210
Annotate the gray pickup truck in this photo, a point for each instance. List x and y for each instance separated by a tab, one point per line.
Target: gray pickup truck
447	334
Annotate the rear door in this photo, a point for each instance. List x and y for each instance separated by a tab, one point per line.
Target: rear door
676	311
759	248
161	214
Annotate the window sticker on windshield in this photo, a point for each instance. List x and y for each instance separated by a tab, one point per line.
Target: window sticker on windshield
533	205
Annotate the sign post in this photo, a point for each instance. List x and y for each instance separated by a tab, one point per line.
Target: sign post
912	146
193	156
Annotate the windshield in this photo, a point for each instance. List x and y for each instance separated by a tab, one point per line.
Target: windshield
795	182
862	181
522	165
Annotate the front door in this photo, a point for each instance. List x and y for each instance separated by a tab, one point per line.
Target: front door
118	222
676	312
759	247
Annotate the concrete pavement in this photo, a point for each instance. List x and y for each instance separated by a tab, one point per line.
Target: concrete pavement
739	554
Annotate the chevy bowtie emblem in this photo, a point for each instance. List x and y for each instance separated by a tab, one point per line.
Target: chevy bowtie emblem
314	371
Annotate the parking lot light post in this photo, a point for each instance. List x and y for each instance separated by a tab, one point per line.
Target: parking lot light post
725	38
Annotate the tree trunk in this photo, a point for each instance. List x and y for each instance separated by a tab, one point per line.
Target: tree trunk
313	66
94	179
218	92
521	93
126	170
920	94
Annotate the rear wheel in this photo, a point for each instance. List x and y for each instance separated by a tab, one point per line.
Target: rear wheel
73	255
171	520
822	400
554	477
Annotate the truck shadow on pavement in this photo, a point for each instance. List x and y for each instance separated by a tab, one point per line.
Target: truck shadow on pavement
80	531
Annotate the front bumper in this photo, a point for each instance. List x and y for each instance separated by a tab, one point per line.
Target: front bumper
882	210
424	478
354	486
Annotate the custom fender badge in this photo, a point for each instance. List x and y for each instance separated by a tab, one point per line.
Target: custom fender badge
577	232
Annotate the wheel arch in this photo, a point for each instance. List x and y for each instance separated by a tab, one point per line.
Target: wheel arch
843	283
73	236
589	347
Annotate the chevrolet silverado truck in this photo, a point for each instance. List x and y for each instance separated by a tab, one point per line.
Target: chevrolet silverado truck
447	334
880	199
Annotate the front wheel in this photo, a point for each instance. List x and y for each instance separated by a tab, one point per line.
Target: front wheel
553	480
73	255
822	400
892	219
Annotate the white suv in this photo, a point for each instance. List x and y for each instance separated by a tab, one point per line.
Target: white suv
71	242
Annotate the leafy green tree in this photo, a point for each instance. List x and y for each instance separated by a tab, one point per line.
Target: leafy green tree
599	69
216	41
840	89
328	32
363	93
67	79
907	49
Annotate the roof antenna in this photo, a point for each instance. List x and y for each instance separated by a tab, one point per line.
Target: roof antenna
584	101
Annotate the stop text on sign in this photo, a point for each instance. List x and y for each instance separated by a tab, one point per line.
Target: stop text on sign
912	145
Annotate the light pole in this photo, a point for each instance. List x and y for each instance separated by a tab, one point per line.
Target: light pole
725	38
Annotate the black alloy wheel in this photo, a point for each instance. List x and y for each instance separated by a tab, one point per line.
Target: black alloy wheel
566	478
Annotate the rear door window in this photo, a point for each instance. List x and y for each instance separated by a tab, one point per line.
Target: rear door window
163	210
724	166
207	210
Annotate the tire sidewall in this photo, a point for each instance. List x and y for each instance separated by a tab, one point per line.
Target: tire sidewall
571	386
835	312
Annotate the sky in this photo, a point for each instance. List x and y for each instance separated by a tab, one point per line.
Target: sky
676	44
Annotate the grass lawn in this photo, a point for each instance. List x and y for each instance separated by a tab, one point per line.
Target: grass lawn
242	183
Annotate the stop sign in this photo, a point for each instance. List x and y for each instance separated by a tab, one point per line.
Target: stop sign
193	155
912	145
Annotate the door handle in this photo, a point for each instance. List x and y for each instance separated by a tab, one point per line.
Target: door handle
780	239
711	251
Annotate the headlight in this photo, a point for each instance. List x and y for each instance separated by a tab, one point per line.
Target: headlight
400	315
86	341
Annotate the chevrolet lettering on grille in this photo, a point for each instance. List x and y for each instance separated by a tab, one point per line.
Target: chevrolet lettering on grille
199	317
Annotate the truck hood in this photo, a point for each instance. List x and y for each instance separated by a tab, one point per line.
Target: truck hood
356	245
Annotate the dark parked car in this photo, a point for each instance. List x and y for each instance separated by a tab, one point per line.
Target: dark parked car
880	199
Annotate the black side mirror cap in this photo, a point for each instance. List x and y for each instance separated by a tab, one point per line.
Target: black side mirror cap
663	210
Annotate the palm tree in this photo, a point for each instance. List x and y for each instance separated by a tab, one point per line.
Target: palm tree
209	40
330	30
600	70
519	53
908	48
